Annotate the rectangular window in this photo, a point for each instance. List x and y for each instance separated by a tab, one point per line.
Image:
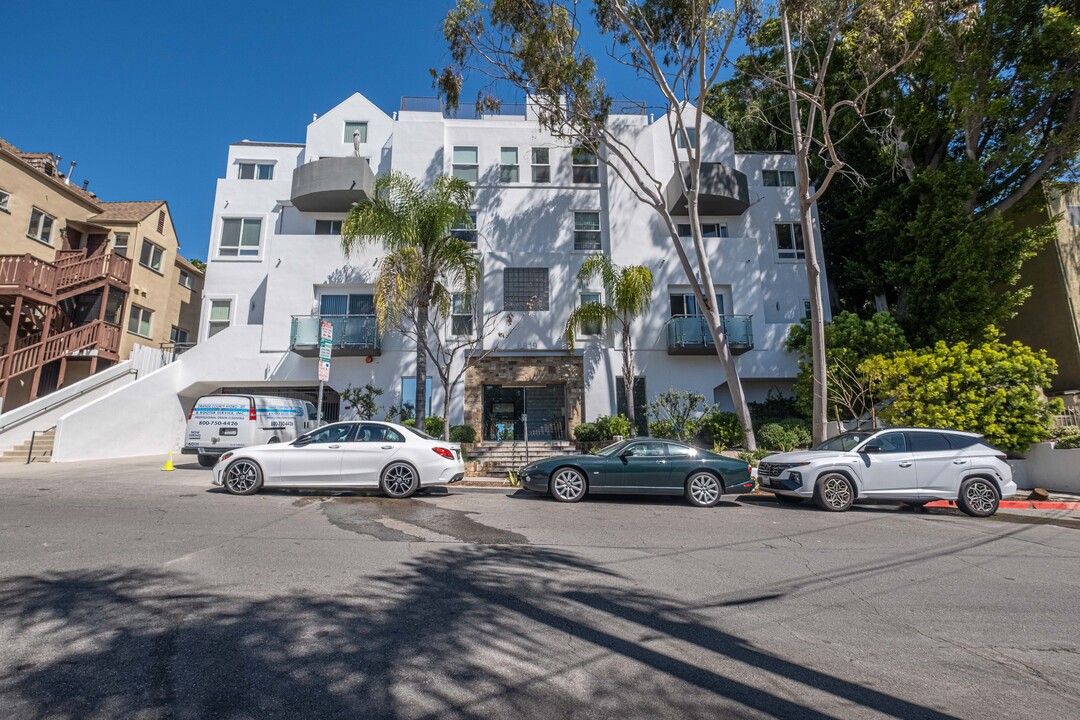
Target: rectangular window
256	171
806	309
161	221
525	289
708	230
220	316
680	139
789	241
139	321
778	178
461	315
351	128
330	305
408	395
5	198
120	244
1073	212
151	255
114	306
585	166
178	336
508	165
467	230
586	231
240	237
186	279
686	304
466	163
590	328
541	165
328	227
40	227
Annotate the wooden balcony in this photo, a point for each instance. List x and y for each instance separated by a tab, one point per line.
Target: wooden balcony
45	283
99	337
74	272
29	276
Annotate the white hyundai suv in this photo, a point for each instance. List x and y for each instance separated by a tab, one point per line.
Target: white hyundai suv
909	465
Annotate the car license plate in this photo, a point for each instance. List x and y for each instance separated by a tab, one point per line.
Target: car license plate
228	431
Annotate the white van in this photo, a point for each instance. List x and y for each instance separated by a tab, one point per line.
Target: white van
218	423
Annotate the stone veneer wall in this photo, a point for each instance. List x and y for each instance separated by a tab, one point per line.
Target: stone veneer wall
568	370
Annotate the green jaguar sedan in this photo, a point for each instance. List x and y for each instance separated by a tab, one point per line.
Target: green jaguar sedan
641	466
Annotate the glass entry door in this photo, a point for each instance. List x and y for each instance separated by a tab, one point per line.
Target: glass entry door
544	405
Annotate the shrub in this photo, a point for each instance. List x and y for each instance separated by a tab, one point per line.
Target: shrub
1065	438
462	434
587	432
611	425
433	425
785	435
720	428
663	430
993	388
679	411
754	457
409	422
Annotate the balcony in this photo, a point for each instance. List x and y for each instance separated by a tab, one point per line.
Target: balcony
689	335
723	191
353	335
332	184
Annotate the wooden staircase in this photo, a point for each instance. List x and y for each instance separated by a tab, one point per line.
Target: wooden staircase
42	449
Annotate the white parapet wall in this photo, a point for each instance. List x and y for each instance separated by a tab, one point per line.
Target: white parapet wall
1049	468
147	417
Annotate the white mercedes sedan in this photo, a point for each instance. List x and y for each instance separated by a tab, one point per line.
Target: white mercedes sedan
396	459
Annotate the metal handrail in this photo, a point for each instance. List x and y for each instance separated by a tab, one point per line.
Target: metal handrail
58	403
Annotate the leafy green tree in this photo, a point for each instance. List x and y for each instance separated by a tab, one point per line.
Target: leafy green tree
993	388
676	49
627	295
364	400
678	414
850	339
424	262
199	264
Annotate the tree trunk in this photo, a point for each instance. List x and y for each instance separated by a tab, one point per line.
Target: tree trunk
628	378
421	363
738	397
448	389
819	419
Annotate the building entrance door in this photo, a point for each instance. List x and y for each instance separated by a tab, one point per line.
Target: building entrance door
504	406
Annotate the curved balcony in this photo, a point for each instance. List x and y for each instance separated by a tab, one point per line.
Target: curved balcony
353	335
332	184
689	335
723	191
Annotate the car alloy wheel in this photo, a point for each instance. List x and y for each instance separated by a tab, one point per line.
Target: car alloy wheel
243	477
399	481
567	485
834	492
978	497
703	489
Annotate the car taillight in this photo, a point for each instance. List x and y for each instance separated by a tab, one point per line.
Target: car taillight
443	452
750	469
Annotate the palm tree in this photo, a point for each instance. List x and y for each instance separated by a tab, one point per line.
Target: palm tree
424	262
628	291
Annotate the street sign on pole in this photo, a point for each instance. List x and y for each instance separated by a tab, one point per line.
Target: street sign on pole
326	343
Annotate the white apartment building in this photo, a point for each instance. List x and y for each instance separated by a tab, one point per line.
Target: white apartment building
276	267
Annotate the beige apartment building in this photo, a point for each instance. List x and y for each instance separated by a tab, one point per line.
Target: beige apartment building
1050	319
81	280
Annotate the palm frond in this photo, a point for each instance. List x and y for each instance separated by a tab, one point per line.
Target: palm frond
589	313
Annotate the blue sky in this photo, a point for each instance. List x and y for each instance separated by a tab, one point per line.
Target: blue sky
147	100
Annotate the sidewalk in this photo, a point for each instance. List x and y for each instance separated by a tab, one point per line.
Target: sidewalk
1057	501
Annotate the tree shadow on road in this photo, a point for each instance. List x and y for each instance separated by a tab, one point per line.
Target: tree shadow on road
460	632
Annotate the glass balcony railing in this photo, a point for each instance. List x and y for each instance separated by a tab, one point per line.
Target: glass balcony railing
689	334
353	334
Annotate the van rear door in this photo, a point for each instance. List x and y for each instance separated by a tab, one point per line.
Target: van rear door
220	421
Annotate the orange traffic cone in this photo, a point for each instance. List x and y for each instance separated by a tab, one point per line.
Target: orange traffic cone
168	464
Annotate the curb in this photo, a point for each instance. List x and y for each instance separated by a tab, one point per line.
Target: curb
1019	504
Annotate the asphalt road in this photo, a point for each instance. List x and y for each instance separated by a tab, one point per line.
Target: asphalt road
126	592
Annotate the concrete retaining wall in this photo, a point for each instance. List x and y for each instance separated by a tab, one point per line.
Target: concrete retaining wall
1047	467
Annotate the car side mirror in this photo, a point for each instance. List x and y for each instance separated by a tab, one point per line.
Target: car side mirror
626	453
872	448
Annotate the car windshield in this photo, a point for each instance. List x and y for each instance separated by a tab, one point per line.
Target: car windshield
612	449
844	442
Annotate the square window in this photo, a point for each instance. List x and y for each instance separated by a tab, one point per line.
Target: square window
680	139
541	165
220	317
526	289
770	178
461	315
328	227
787	178
585	167
186	279
151	255
508	165
40	227
586	231
590	329
120	244
139	321
5	198
467	230
354	128
466	163
240	237
789	241
178	336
